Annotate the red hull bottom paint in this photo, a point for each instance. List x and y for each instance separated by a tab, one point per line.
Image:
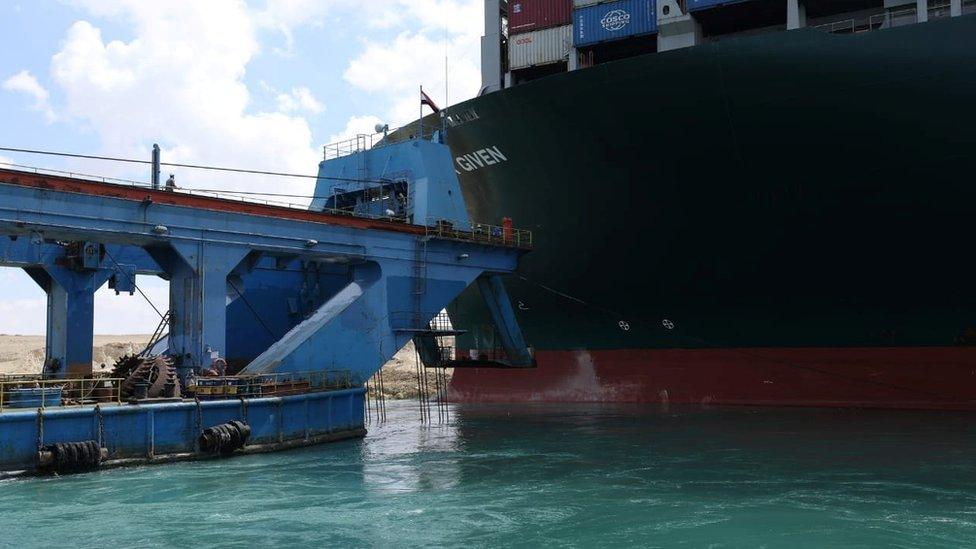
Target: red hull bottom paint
912	378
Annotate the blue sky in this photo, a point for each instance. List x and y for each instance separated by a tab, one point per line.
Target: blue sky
251	84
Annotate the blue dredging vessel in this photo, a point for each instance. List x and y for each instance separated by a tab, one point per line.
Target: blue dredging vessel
301	306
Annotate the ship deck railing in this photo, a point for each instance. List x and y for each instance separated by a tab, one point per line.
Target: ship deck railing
221	195
439	325
489	234
892	19
366	141
495	235
268	385
32	391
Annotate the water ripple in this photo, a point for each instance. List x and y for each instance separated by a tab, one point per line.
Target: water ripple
573	476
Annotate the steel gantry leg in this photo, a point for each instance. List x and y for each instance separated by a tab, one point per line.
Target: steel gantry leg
198	300
70	317
500	307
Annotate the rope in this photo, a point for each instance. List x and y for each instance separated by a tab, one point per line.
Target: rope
189	166
196	440
101	425
366	402
40	429
230	193
253	311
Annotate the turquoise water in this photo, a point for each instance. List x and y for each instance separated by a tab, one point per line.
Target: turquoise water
544	475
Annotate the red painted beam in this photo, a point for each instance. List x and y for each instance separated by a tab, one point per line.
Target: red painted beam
126	192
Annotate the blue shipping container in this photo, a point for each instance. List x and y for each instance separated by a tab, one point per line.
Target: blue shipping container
613	21
695	5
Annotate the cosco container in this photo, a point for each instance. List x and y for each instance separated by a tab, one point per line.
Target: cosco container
613	21
695	5
540	47
530	15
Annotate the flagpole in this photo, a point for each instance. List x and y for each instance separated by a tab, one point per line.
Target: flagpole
447	101
421	119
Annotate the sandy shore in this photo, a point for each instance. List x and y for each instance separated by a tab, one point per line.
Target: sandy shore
400	376
25	354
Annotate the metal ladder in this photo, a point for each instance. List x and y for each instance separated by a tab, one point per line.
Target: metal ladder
419	289
158	334
361	148
419	281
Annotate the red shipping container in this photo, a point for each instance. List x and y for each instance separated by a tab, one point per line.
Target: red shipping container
530	15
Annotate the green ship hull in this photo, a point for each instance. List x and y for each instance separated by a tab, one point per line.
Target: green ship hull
792	191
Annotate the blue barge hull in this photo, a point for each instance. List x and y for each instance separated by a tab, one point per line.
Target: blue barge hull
168	431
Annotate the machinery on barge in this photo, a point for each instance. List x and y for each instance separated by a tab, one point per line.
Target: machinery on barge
334	291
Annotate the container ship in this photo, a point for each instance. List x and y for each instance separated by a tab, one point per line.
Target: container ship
752	202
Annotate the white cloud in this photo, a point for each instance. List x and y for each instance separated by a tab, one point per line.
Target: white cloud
131	314
457	17
177	78
179	82
357	125
114	314
299	99
283	15
24	316
393	69
25	82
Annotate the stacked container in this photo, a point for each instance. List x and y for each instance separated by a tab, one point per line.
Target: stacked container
614	21
530	15
540	32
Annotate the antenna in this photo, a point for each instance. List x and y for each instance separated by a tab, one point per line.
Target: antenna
447	100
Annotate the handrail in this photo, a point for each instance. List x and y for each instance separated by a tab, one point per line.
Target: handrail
480	232
31	391
359	143
891	19
835	27
365	141
227	195
272	384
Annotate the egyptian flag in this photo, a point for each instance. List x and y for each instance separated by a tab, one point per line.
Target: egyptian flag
426	100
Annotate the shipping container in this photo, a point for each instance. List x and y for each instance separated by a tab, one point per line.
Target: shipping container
613	21
540	47
695	5
530	15
584	3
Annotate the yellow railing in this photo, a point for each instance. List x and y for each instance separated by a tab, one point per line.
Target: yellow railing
25	391
276	384
480	232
